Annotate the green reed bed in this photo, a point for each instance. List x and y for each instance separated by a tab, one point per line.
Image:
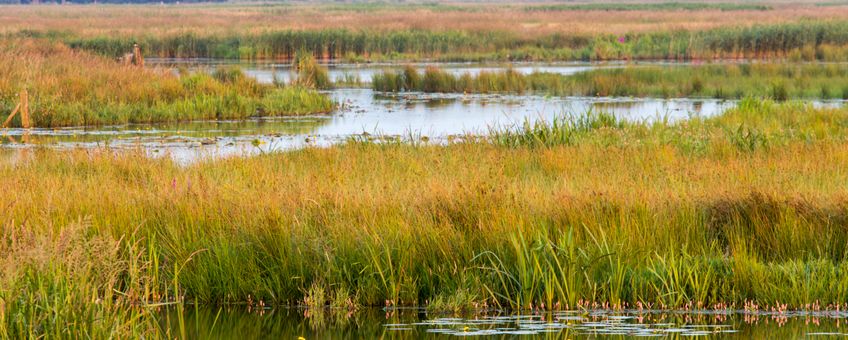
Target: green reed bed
434	79
778	81
734	81
74	88
707	213
802	40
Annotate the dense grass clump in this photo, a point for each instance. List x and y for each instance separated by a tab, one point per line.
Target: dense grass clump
705	213
561	131
776	81
75	88
309	73
434	79
295	100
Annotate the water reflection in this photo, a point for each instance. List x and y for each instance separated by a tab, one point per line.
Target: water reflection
344	73
416	323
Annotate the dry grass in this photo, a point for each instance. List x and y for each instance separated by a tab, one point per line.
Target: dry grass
225	19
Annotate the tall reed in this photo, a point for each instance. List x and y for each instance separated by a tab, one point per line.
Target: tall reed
776	81
824	40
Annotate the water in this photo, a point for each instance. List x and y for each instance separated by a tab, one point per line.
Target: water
373	323
438	117
267	72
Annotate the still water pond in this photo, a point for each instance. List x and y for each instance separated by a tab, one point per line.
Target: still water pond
439	117
340	72
413	323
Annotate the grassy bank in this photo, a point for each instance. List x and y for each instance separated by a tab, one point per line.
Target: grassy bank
747	206
777	81
73	88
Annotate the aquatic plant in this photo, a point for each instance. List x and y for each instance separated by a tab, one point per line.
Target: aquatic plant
775	81
309	73
294	100
564	130
434	79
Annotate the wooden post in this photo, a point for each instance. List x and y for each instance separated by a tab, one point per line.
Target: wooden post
9	120
25	109
138	59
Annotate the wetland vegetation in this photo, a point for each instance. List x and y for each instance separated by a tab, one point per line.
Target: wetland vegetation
708	213
592	212
825	40
724	81
463	32
75	88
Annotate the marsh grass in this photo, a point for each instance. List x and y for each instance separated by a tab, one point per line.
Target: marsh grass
434	79
658	6
309	73
734	81
73	280
823	40
562	130
614	215
293	101
74	88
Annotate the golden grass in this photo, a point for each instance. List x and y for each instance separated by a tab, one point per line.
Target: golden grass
141	20
70	87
